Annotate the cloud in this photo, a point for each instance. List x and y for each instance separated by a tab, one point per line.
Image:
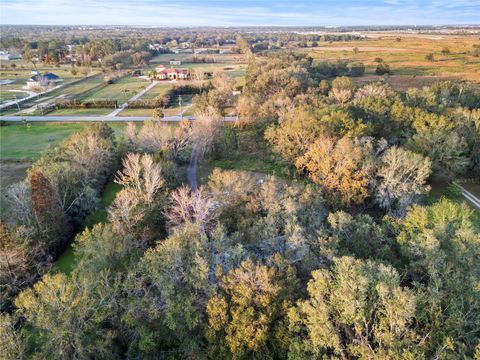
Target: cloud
239	13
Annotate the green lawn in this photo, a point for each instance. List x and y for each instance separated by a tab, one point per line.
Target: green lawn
66	262
122	90
100	111
136	112
27	142
22	72
160	89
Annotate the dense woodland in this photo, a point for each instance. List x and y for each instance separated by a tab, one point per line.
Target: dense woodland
342	255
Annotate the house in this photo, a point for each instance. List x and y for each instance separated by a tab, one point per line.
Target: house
5	55
45	80
162	73
175	62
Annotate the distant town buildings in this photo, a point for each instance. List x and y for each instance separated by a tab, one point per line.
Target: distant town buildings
175	62
157	47
162	73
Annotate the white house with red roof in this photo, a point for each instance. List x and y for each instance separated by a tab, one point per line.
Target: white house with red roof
162	73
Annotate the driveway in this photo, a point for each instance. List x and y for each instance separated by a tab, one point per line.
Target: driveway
136	97
475	201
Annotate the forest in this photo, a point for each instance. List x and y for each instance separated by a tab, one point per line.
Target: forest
344	253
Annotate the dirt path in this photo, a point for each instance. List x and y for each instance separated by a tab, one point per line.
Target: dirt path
192	169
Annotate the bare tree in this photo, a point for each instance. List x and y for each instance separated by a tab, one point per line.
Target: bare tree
378	90
141	179
187	206
18	198
206	129
90	152
141	175
403	175
153	136
130	134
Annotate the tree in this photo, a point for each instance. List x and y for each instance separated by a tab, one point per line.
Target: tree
342	89
402	176
141	175
16	269
355	310
12	346
191	206
141	179
54	225
336	165
302	127
446	149
247	316
168	291
440	246
66	316
19	207
158	113
429	57
206	130
382	69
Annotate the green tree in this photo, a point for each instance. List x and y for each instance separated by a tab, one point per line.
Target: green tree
355	310
440	245
247	317
67	314
336	166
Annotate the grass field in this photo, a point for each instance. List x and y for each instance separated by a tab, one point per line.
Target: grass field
27	142
67	260
407	56
122	90
100	111
22	72
160	89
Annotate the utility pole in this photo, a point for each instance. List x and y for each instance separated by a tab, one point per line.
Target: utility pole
16	102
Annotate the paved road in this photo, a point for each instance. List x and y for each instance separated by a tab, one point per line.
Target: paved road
75	118
470	197
136	97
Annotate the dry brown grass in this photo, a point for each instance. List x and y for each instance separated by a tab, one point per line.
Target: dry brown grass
407	56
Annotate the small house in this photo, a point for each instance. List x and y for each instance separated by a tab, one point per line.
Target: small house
162	73
45	80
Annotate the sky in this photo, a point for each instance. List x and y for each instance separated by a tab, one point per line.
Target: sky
240	12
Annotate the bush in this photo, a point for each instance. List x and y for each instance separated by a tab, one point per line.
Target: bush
382	69
157	113
158	102
356	69
429	57
90	104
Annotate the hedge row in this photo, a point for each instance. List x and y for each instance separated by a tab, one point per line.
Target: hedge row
160	101
89	104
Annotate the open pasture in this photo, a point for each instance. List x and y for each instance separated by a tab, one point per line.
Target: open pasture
406	56
23	71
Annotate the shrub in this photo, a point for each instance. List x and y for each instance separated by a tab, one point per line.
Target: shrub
429	57
157	113
383	68
356	69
